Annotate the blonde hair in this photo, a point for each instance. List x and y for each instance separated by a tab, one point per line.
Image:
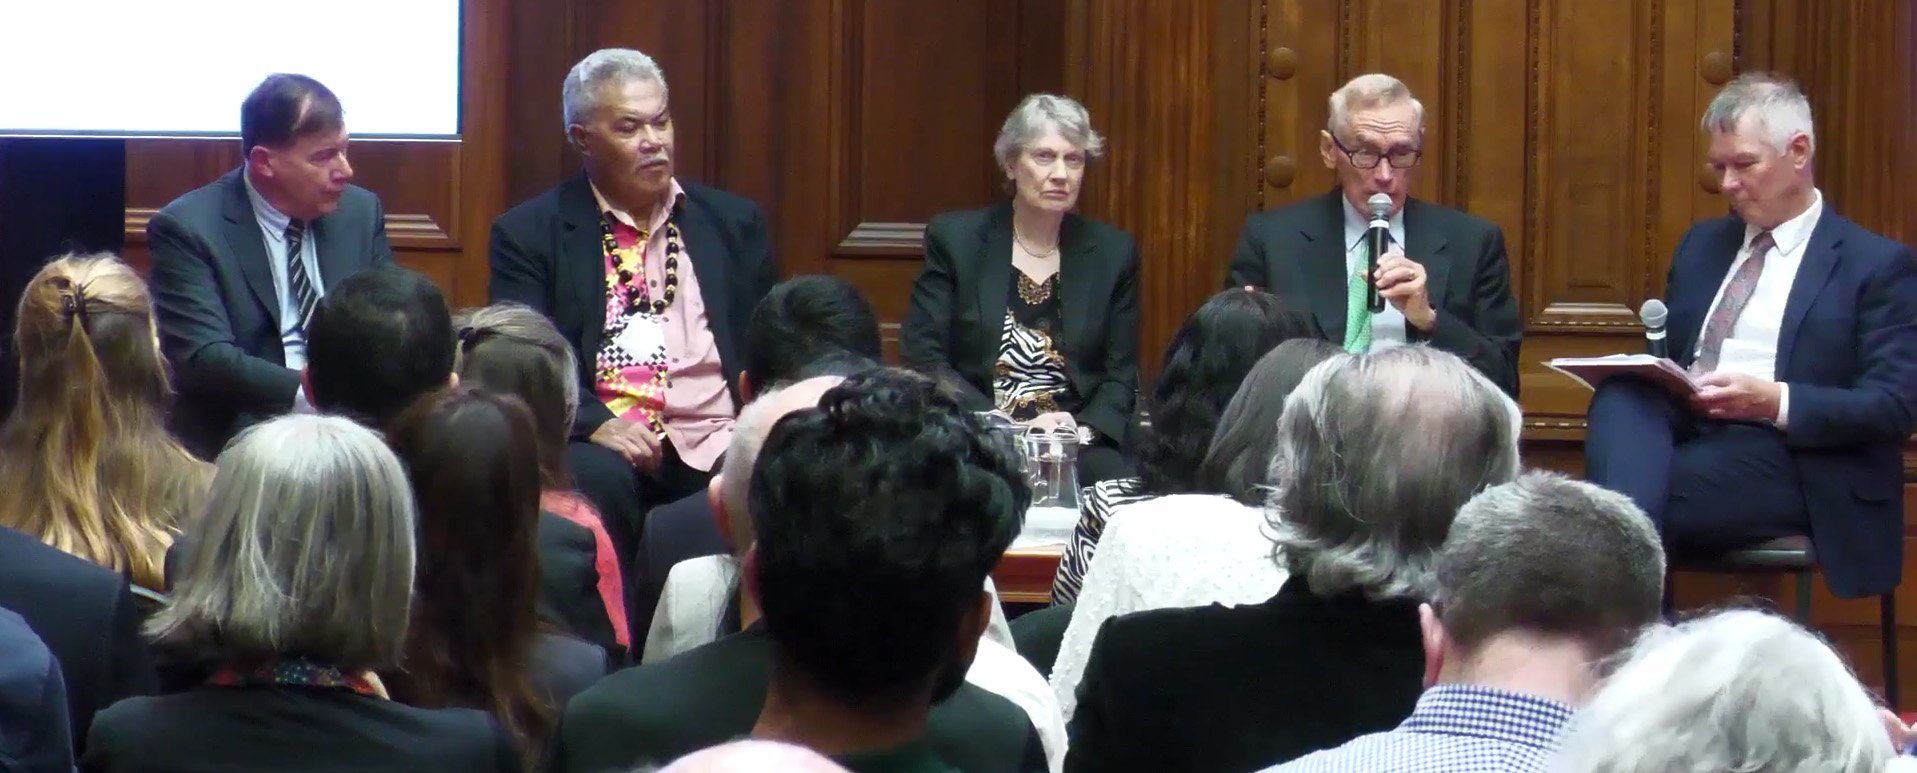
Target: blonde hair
85	459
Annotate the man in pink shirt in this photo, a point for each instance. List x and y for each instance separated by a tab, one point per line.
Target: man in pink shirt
651	280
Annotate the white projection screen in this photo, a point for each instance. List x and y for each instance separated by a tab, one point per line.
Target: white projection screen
159	68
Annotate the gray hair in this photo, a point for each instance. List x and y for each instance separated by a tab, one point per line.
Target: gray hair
1038	112
1736	690
305	548
518	322
749	432
1550	555
1375	455
1777	108
1364	93
607	67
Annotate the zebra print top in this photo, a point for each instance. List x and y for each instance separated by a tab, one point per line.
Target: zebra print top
1030	378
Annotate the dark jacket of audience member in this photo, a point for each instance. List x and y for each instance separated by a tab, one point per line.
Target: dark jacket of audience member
300	589
33	703
87	617
474	639
1378	451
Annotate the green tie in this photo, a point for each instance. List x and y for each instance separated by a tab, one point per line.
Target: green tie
1357	314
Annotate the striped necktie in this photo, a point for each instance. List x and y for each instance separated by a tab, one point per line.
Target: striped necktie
296	278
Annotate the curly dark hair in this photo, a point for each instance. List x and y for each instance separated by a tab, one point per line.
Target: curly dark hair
1207	358
879	514
803	320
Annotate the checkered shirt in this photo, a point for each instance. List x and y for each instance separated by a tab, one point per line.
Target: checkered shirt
1454	729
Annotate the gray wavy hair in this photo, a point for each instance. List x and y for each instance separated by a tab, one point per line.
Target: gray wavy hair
601	69
1735	690
305	548
1375	455
1038	112
1779	109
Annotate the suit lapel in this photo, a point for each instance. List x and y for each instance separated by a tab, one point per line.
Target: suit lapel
1076	263
1425	244
1324	265
244	238
580	270
332	258
1715	259
995	276
708	256
1820	259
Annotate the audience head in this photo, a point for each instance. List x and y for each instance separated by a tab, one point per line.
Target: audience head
376	342
1734	690
1375	455
618	118
511	349
803	320
85	458
1239	459
1761	146
305	550
293	133
1374	139
879	514
472	458
1543	558
729	490
1204	364
1043	149
751	756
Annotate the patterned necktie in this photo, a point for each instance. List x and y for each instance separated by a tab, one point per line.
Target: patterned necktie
1736	294
296	278
1357	313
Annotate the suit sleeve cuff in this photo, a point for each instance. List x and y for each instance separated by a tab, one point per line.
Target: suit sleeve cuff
1783	406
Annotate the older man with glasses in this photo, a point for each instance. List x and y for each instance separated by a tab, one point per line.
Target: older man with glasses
1443	277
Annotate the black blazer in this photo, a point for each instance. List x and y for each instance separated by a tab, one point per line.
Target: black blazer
675	531
546	253
1847	348
1297	252
86	616
292	729
569	581
1244	688
957	318
218	314
33	703
661	711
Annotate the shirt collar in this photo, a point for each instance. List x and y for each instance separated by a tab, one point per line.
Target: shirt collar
1795	231
1482	712
675	194
271	219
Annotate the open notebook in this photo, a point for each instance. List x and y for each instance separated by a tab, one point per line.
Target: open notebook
1590	371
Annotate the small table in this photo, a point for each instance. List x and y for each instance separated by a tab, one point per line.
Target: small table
1024	576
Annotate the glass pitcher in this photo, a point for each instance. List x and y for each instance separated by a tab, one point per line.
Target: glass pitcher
1051	464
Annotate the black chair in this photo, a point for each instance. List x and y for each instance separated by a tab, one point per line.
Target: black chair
1794	556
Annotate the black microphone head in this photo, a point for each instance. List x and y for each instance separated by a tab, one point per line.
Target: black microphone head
1380	205
1653	313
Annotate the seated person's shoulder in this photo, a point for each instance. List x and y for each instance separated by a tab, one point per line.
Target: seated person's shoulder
660	711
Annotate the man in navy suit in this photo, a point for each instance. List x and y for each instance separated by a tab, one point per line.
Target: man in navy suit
239	265
1801	328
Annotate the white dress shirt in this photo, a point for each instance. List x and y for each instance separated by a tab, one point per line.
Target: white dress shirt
273	233
1388	326
1751	346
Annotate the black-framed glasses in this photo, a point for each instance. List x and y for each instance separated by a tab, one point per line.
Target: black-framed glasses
1366	158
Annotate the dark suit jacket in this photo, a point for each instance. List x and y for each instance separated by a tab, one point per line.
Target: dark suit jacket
564	666
957	318
713	694
569	581
1298	253
292	729
33	703
1238	689
1848	351
86	616
676	531
218	313
546	253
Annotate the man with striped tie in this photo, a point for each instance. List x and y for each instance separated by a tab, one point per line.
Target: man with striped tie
1445	278
1801	327
238	265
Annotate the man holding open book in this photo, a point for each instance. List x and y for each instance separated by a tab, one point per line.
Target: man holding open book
1799	330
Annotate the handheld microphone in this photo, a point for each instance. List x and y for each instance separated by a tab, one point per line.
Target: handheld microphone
1653	315
1377	239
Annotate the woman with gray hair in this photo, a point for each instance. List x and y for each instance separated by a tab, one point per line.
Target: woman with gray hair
298	591
1028	308
1375	453
1735	690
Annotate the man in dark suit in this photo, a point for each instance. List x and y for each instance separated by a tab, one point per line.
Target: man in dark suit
86	616
1445	278
874	537
650	279
238	265
1801	328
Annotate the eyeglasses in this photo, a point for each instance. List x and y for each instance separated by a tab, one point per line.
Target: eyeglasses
1366	158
